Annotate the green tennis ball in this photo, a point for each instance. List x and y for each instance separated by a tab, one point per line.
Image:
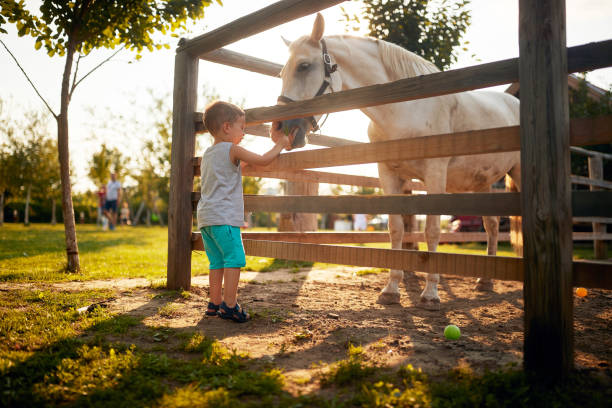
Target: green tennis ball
452	332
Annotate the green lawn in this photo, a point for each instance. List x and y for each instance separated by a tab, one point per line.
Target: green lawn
36	253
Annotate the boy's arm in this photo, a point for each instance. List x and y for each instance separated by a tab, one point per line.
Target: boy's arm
240	153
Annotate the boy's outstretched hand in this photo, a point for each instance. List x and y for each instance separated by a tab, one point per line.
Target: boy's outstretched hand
277	135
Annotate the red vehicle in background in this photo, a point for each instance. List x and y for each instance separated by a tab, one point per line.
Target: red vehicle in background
473	223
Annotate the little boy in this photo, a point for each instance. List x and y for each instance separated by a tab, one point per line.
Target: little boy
221	205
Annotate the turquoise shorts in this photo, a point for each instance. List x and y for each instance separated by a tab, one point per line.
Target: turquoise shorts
223	246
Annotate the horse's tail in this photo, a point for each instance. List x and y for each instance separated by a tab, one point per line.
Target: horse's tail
516	228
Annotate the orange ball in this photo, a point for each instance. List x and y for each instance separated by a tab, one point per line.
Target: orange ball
581	292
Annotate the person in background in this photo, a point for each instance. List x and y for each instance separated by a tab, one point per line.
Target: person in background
113	196
101	200
125	214
360	222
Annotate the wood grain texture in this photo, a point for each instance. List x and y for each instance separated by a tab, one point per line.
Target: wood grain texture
504	268
589	274
545	189
181	173
584	204
583	132
256	22
242	61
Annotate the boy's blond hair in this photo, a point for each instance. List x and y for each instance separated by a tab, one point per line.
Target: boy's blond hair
219	112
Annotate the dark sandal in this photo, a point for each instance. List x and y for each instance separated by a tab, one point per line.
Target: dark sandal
235	313
214	308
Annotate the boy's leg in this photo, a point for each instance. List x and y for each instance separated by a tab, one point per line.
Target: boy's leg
231	280
215	281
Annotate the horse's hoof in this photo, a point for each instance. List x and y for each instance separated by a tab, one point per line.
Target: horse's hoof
484	286
429	304
388	298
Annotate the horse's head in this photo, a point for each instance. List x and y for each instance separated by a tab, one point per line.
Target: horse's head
307	74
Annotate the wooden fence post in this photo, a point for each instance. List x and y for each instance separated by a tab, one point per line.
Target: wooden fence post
596	173
180	212
546	193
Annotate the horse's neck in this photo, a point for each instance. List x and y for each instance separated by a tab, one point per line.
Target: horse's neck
359	65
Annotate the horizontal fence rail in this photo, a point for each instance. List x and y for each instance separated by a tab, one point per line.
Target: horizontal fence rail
584	204
237	60
580	58
376	237
586	273
586	181
314	177
591	153
257	22
584	131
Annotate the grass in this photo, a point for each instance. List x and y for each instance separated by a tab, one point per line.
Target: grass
35	253
53	355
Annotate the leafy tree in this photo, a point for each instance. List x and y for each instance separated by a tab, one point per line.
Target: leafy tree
106	161
78	27
429	28
581	105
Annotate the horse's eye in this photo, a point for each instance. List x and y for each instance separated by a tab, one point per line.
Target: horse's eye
303	66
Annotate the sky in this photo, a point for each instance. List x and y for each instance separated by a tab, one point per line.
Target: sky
121	88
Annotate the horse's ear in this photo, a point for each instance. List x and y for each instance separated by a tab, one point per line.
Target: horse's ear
287	42
318	28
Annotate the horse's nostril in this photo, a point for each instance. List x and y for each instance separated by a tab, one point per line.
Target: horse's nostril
300	136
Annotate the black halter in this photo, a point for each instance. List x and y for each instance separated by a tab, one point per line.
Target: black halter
329	69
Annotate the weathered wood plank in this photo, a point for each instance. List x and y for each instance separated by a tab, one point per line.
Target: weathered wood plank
370	237
591	153
602	220
242	61
256	22
590	274
503	268
546	200
313	177
586	181
264	131
584	203
583	132
181	173
589	56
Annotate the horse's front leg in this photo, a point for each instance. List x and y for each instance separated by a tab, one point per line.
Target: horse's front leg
491	225
435	181
392	184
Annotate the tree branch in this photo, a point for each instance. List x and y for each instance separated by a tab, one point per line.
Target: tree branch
76	69
74	85
28	78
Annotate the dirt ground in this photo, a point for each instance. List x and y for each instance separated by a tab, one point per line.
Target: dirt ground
301	319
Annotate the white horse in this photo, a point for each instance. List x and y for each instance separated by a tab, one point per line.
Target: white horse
363	61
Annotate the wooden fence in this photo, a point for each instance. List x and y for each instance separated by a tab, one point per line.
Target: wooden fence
547	269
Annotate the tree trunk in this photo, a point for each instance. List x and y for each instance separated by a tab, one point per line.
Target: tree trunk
138	214
72	249
53	216
2	208
26	215
299	221
148	222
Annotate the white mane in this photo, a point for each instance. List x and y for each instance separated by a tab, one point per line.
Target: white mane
400	63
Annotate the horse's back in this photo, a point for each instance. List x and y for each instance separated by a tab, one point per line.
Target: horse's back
483	110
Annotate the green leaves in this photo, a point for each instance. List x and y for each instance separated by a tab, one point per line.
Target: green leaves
431	29
88	25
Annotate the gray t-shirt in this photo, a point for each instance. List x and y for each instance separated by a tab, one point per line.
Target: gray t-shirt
221	201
